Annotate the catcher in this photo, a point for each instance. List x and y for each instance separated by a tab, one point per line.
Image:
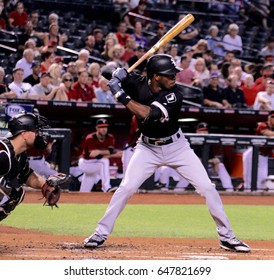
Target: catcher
25	131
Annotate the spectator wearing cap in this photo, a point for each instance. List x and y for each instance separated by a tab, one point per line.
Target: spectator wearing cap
103	93
140	51
34	78
188	51
84	91
122	34
44	90
18	17
19	89
265	99
232	41
185	76
98	147
213	93
268	50
161	30
26	62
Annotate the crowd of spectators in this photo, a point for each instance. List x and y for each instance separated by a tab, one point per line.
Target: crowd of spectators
211	62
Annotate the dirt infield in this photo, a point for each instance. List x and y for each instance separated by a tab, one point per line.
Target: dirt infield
17	244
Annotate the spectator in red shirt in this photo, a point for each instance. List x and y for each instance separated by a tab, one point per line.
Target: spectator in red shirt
3	16
129	49
18	17
249	90
84	91
122	34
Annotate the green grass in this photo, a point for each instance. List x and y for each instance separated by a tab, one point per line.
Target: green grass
248	222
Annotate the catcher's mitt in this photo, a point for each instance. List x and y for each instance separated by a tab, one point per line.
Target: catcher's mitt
51	189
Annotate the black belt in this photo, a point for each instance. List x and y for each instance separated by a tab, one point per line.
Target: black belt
159	142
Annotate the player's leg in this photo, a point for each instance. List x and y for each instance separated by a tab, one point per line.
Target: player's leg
143	161
9	199
190	167
126	156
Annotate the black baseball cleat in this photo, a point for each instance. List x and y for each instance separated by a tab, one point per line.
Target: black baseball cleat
235	245
94	241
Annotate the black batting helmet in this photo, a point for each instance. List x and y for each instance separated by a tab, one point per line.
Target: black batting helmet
162	64
26	122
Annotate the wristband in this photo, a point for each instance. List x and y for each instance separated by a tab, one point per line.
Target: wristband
122	97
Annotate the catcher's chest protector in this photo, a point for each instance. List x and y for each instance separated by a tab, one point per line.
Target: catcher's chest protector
15	165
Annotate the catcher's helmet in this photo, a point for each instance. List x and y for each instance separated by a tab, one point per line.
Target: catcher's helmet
26	122
162	64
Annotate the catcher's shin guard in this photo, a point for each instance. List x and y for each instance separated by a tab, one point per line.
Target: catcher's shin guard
15	197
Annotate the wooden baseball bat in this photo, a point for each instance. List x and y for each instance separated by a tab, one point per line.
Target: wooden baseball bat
174	31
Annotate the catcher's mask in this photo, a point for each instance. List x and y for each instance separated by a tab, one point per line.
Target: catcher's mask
26	121
161	64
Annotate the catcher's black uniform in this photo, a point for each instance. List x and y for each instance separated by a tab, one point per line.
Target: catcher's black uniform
14	171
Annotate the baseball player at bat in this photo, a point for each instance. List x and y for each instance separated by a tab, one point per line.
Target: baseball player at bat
156	101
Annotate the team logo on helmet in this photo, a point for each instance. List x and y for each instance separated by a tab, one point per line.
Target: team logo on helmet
173	62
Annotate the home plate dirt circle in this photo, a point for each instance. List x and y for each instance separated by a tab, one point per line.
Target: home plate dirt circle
19	244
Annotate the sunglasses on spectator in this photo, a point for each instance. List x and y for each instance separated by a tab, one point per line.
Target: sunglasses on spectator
67	80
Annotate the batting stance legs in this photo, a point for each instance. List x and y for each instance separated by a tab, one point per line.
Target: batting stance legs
181	157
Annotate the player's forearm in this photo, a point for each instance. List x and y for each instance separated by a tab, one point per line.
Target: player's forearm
141	111
35	181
